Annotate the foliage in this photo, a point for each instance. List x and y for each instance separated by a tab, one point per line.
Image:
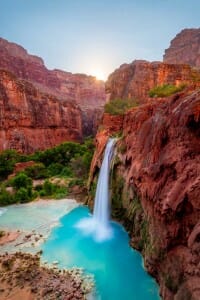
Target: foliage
76	181
37	171
51	190
6	197
7	162
71	160
23	195
21	180
165	90
119	106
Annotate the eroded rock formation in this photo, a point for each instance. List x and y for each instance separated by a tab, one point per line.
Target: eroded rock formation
80	89
135	80
184	48
32	120
156	187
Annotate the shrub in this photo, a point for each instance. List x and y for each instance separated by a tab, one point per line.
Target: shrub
37	171
23	195
119	106
76	181
6	198
165	90
66	172
21	180
8	159
52	190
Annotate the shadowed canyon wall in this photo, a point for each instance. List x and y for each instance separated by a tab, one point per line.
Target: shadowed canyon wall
83	93
32	120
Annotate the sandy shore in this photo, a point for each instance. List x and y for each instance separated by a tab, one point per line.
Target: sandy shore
9	236
22	277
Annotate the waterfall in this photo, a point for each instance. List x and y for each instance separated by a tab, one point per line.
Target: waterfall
101	203
98	224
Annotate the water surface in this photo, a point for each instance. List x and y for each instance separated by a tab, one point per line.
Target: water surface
117	267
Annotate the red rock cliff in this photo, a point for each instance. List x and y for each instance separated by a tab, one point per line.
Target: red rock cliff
81	89
32	120
156	187
184	48
135	80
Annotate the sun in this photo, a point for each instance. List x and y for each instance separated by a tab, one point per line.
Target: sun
99	74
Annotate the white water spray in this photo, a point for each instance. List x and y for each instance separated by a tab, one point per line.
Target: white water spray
98	224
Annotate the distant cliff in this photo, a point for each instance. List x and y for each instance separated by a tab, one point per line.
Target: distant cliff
184	48
156	175
80	89
31	120
136	79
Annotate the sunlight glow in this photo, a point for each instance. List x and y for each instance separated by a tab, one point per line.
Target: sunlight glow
99	74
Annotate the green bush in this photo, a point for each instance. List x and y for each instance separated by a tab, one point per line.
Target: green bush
55	169
165	90
23	195
76	181
37	171
6	198
119	106
49	189
66	172
21	180
8	159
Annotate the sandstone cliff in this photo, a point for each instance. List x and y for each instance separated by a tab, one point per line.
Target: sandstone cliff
135	80
184	48
81	89
32	120
156	187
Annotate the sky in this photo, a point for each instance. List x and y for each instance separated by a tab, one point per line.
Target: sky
96	37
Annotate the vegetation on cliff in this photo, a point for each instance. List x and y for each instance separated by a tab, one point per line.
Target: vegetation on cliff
166	90
54	172
119	106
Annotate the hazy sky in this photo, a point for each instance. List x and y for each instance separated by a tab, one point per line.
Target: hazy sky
94	37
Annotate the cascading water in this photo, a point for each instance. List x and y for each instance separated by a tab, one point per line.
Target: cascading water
99	223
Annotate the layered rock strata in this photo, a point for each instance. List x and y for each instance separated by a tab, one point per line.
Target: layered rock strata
156	187
135	80
85	91
184	48
32	120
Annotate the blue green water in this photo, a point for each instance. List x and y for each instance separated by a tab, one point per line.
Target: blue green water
118	269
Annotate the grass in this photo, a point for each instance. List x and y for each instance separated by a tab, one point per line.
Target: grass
165	90
119	106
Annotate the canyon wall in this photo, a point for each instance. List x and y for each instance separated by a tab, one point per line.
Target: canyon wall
85	91
184	48
156	184
136	79
31	120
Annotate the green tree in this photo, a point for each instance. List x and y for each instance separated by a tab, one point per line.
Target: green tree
21	180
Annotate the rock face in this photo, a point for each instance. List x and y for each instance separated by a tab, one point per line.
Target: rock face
156	187
135	80
80	89
32	120
184	48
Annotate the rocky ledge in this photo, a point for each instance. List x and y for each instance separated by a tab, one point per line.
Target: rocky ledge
22	277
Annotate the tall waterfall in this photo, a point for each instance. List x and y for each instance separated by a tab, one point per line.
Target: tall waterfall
101	203
98	224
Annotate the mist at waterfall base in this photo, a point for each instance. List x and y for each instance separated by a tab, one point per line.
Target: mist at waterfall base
101	247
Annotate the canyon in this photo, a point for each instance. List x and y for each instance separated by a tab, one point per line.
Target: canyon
155	178
29	95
